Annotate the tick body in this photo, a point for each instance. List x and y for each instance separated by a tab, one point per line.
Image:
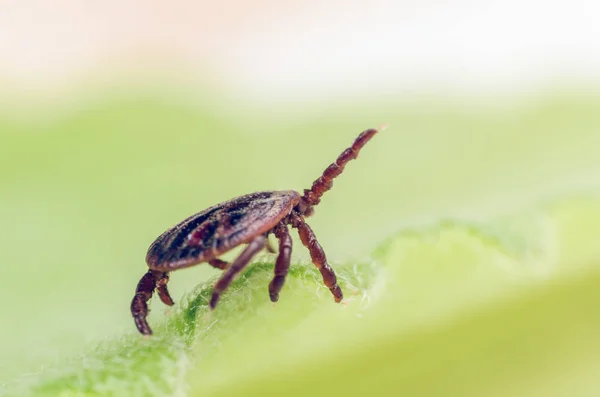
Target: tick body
248	220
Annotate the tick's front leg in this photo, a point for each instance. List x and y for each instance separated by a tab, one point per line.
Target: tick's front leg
282	265
309	240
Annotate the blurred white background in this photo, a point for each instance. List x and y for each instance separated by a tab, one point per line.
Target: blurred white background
271	51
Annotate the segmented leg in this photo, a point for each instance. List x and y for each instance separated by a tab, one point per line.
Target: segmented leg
163	292
221	264
313	195
236	267
282	265
218	263
139	305
309	240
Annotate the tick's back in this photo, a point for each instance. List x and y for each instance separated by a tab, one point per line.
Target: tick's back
220	228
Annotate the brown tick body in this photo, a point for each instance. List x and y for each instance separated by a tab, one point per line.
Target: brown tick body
248	219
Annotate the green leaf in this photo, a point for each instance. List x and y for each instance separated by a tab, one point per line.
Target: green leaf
456	308
540	343
84	193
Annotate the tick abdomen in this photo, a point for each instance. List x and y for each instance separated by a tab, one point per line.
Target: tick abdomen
220	228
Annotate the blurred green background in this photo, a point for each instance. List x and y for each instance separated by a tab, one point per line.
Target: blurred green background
481	198
464	236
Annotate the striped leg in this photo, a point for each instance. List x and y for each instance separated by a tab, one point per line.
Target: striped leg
282	265
309	240
236	267
139	305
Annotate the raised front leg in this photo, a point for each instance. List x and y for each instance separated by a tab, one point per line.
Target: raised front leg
282	265
237	266
309	240
139	305
313	195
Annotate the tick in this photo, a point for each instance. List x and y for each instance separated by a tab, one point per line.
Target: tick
249	220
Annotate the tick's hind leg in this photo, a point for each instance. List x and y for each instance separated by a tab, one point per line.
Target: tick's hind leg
218	263
236	267
309	240
139	305
282	265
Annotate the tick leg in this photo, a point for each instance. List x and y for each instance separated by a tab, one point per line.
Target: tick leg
237	266
309	240
163	292
139	305
313	195
282	265
218	263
